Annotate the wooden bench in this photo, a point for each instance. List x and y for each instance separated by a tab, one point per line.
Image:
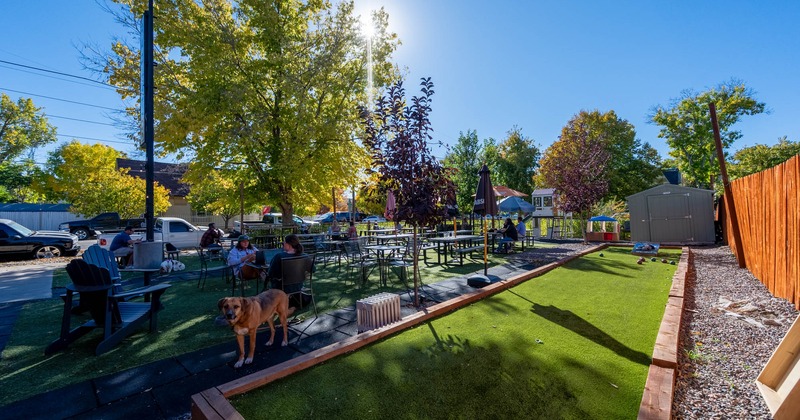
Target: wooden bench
461	251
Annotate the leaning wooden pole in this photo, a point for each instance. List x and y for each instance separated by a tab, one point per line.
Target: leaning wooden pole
728	195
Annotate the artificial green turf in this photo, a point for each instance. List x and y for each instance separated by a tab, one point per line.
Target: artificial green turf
185	325
573	343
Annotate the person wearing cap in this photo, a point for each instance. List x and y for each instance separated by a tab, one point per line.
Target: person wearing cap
244	252
211	236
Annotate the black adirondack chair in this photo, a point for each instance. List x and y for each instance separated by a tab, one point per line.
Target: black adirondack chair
110	313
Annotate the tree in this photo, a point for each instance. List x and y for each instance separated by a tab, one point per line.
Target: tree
576	167
217	192
86	177
464	163
269	87
634	166
686	125
397	136
517	161
21	182
760	157
22	126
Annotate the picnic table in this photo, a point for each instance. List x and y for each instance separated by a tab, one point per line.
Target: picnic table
444	244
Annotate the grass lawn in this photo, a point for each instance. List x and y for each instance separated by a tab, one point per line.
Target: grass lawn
573	343
185	325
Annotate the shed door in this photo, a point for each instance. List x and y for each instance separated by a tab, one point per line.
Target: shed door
670	219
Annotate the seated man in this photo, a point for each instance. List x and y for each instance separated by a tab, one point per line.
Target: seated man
211	236
520	228
122	246
509	236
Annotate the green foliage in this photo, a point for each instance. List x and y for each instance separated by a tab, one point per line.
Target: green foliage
22	126
517	161
267	88
218	192
760	157
633	166
686	125
464	162
21	182
86	176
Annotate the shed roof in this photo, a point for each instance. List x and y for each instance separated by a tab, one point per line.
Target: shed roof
544	191
669	187
33	207
167	174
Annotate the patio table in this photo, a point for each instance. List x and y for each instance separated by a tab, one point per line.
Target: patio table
384	254
443	243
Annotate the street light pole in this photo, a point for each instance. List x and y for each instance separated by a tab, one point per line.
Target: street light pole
146	115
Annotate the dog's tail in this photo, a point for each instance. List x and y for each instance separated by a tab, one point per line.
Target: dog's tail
290	311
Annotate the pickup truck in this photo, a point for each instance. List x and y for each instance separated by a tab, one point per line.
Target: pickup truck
104	222
174	230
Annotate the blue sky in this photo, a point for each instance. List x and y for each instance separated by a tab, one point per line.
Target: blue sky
533	64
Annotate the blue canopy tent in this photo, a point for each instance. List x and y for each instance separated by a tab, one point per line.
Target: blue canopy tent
603	235
602	218
515	205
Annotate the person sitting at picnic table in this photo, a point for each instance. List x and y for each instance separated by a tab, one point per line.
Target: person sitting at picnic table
291	248
335	231
352	233
211	236
242	257
520	228
122	246
509	236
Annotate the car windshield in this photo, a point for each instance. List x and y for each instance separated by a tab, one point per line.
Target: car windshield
19	228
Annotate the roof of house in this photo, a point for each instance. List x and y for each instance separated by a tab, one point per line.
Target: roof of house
503	191
167	174
544	191
33	207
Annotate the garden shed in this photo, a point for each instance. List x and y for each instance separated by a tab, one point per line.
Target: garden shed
672	213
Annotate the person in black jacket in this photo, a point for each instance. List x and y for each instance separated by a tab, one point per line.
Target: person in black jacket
509	236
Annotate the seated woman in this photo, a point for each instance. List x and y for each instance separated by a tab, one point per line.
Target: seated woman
335	232
243	254
291	248
351	231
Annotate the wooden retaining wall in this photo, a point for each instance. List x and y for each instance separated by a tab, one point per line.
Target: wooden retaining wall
768	209
660	386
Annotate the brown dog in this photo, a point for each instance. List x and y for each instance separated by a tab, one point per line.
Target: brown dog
245	314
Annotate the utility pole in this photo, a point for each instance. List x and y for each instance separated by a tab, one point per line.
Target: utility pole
146	111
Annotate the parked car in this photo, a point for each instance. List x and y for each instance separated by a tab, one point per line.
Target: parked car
17	239
176	231
328	217
373	219
274	219
104	222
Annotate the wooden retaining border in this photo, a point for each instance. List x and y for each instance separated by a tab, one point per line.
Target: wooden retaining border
660	386
213	403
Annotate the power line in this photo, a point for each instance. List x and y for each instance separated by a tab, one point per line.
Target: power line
78	119
54	72
95	139
59	99
57	78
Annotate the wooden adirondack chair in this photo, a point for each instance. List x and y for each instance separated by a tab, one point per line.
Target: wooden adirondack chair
109	311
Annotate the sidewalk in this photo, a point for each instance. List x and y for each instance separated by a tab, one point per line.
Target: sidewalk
162	389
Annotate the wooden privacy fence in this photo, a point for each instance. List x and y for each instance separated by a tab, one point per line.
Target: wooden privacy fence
767	205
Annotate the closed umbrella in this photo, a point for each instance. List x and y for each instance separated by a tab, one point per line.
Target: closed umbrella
485	204
515	205
390	206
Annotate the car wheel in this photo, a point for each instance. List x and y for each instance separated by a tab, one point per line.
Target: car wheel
81	233
47	251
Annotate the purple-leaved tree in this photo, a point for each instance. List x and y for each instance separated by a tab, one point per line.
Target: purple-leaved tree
397	136
576	167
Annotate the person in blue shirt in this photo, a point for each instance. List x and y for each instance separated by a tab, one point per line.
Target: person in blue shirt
122	245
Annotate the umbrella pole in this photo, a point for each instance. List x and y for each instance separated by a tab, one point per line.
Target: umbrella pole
485	249
454	227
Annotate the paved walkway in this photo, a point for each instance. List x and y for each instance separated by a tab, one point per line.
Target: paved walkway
162	389
30	282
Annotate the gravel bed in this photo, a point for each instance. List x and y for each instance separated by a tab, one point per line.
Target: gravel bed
732	324
17	262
